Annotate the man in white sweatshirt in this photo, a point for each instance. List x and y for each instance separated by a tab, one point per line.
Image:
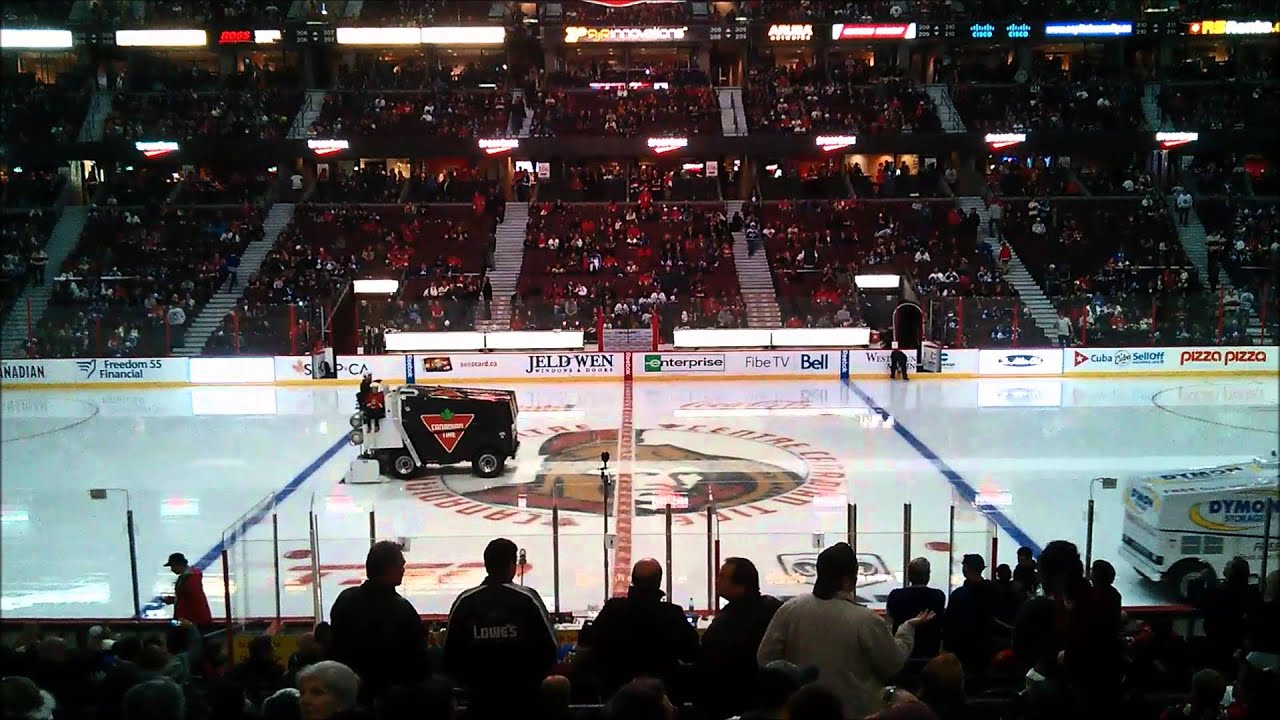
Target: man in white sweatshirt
850	645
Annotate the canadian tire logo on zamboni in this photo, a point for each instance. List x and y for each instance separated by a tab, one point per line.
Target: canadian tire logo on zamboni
448	427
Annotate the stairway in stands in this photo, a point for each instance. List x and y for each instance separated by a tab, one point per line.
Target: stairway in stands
508	258
62	241
1018	277
1192	236
206	321
754	278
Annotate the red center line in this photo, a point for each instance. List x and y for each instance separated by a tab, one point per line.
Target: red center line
624	506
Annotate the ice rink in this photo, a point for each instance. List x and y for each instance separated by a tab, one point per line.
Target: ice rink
780	462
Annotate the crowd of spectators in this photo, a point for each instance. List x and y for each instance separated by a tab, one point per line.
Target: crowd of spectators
415	72
1092	102
224	186
637	15
23	260
1218	106
852	98
1016	177
694	110
361	184
215	12
418	13
628	262
137	277
1047	639
1244	240
34	111
169	102
19	13
29	187
442	112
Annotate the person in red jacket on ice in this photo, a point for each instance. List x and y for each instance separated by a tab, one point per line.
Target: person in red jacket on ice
188	599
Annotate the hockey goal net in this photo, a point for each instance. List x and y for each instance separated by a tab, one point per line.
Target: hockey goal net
930	359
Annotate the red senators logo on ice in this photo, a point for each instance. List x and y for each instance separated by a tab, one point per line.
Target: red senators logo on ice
448	427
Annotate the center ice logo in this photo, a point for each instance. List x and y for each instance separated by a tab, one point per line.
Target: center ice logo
742	473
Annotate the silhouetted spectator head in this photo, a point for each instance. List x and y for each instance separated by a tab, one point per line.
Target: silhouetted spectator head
127	648
283	705
1024	556
738	578
385	563
1004	573
918	572
815	702
646	575
972	566
1103	573
942	681
22	699
262	650
556	696
837	571
154	700
640	699
327	688
1236	572
777	682
323	634
1207	688
1061	570
431	699
500	560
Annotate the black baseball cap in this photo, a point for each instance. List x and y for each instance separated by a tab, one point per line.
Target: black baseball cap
176	559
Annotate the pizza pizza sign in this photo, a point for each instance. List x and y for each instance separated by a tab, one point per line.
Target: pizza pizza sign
448	427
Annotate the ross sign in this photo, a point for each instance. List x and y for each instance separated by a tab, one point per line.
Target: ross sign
998	141
790	33
155	148
328	147
1020	362
575	34
834	142
666	144
1088	29
1233	27
96	370
242	37
1169	140
873	31
497	146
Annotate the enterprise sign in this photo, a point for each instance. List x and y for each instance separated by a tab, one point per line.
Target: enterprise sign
1234	27
1088	29
578	34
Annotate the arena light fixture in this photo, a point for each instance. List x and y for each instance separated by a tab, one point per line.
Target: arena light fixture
328	147
376	287
1169	140
464	35
497	146
151	149
877	282
835	142
161	38
999	141
34	39
662	145
378	36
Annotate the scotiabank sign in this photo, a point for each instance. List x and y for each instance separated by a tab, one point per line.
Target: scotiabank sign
577	34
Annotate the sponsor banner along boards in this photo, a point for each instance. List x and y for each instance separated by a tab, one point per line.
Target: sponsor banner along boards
443	367
94	370
959	362
737	364
1171	359
1020	361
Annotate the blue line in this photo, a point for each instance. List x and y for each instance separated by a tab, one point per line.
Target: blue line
229	540
961	486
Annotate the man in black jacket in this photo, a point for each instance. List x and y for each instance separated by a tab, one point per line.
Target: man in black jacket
642	634
500	643
377	633
908	602
728	663
971	613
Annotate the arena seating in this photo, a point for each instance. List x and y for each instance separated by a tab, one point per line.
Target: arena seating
627	259
1250	254
119	293
1052	103
38	112
1218	106
854	98
137	185
22	235
31	188
218	186
679	110
451	113
586	13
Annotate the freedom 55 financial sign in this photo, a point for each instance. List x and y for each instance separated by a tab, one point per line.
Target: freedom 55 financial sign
96	370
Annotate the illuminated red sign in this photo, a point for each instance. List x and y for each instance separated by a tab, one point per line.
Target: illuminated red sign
235	37
873	31
999	141
1169	140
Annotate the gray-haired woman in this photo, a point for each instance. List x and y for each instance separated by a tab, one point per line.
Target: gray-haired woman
328	689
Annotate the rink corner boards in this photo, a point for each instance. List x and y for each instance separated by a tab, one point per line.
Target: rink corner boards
815	365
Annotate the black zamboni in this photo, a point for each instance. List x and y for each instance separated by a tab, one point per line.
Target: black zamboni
408	427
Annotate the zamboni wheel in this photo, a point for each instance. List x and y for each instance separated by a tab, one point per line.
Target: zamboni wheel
403	466
488	464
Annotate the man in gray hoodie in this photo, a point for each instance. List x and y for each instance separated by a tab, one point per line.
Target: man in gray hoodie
850	645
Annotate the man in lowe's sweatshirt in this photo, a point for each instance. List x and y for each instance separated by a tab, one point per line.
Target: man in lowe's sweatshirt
500	643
